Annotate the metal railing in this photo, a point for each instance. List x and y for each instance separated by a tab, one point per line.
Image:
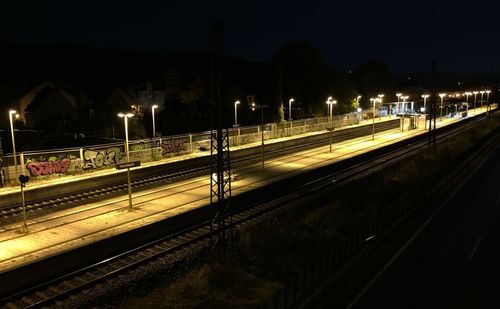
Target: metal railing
55	163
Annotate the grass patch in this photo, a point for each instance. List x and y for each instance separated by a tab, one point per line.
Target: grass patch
275	252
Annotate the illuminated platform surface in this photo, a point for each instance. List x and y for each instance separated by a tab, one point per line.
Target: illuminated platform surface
68	229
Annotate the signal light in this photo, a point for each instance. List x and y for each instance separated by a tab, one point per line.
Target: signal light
23	179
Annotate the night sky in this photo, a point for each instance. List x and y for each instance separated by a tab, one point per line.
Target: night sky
406	35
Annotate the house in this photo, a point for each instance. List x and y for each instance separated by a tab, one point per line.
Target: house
46	107
103	109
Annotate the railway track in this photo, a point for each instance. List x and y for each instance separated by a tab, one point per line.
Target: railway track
195	183
59	288
12	213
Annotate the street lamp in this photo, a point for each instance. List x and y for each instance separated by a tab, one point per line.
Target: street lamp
153	114
398	95
13	112
236	112
290	109
441	95
373	100
487	100
380	96
475	96
330	103
481	102
328	108
425	96
125	118
253	107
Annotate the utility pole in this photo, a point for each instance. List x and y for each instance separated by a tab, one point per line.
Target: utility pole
432	133
220	168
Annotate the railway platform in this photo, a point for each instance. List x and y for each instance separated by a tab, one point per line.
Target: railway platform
63	231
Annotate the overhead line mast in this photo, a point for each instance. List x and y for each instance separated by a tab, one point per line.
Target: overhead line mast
220	168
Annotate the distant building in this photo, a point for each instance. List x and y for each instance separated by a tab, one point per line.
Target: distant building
46	107
148	97
103	109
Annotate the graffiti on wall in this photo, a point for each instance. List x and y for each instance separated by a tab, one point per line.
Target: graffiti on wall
48	167
142	145
172	146
101	158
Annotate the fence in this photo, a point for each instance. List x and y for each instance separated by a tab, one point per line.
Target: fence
71	161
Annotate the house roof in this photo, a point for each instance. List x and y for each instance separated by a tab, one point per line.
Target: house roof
41	96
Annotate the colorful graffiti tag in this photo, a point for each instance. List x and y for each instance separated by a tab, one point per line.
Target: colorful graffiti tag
102	157
48	167
171	146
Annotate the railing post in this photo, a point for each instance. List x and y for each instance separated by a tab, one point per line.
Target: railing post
191	143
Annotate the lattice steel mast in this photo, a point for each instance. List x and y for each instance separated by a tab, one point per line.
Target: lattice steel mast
220	171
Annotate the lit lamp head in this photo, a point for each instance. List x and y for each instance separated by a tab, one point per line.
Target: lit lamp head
13	112
236	102
425	96
360	109
128	115
488	91
253	106
475	92
291	100
154	107
422	109
442	95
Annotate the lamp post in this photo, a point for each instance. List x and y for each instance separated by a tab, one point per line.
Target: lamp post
261	107
380	96
13	112
398	95
422	110
441	95
330	103
403	104
488	100
481	102
373	100
357	102
125	118
475	96
236	112
425	96
153	115
290	109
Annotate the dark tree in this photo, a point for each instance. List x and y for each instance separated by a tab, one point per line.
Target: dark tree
373	78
